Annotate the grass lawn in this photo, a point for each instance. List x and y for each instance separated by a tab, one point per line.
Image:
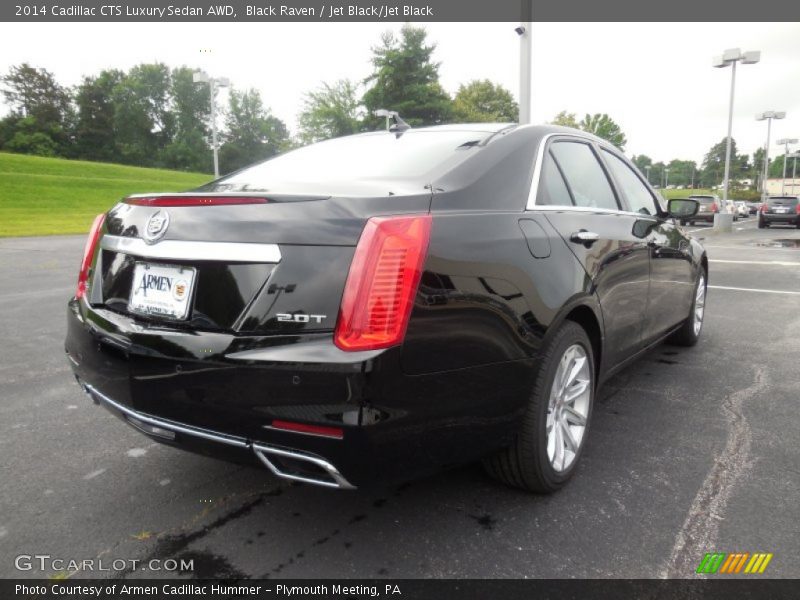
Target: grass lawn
50	196
669	194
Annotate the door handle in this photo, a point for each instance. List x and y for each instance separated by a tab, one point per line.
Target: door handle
587	238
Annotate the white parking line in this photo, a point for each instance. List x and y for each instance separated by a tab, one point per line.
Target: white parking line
740	289
780	263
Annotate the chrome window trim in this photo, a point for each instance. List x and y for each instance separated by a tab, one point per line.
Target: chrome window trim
190	250
537	175
591	209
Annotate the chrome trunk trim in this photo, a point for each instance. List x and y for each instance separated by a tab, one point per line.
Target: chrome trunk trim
191	251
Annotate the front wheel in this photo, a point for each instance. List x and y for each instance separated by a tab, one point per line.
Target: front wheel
689	333
556	421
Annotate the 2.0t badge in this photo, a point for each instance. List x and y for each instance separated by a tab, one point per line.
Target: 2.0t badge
156	226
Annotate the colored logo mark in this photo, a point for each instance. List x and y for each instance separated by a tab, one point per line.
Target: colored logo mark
734	562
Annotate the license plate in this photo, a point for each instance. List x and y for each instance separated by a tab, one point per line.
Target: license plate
161	290
781	210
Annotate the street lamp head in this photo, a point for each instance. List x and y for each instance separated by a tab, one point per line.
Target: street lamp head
786	141
770	114
732	54
223	82
751	57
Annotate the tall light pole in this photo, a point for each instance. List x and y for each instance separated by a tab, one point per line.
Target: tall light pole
647	171
666	177
213	84
525	61
794	156
767	116
722	219
785	143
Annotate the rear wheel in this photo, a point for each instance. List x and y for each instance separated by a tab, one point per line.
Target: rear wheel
553	433
689	332
761	224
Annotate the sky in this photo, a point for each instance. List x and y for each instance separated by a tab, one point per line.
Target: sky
654	79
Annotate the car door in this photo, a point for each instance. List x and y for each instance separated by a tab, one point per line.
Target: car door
577	197
671	270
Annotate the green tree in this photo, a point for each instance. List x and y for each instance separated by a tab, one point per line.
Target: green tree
40	108
565	119
251	134
189	148
330	111
406	80
143	120
484	102
713	167
603	126
95	135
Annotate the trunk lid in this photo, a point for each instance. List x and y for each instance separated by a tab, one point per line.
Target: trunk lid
275	267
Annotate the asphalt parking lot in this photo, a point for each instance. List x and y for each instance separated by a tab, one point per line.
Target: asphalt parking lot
692	451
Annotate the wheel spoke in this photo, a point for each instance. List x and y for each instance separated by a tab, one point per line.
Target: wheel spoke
576	390
573	417
558	458
569	441
577	365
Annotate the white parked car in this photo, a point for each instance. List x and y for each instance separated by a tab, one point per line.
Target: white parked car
742	208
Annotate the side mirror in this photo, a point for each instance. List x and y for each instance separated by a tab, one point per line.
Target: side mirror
682	208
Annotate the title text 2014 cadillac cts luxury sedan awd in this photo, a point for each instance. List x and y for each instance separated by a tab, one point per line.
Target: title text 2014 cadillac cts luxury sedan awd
387	304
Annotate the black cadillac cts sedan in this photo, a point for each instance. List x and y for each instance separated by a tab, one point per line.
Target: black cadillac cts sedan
387	304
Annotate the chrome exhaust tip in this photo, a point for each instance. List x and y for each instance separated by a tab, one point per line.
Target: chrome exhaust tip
298	466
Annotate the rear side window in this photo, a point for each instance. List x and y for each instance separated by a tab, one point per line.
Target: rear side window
585	177
636	193
552	190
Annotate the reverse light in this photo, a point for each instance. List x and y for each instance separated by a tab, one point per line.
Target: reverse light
88	254
175	201
320	430
382	282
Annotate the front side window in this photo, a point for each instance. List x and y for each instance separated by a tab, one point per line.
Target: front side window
585	177
636	193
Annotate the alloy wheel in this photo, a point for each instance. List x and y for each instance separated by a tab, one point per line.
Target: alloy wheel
699	305
568	408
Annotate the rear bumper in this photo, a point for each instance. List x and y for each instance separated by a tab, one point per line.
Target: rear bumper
788	218
218	395
320	471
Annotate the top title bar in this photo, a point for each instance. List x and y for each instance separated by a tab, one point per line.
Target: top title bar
403	10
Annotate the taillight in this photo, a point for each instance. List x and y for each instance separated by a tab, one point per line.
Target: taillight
797	208
382	282
714	207
173	201
88	254
764	207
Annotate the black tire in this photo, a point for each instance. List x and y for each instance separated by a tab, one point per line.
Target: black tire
525	464
761	224
687	335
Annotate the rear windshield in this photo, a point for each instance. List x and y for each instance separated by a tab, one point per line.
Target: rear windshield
790	201
363	158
